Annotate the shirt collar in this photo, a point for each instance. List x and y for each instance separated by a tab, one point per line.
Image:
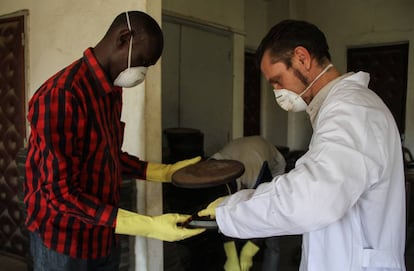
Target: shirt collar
98	73
317	101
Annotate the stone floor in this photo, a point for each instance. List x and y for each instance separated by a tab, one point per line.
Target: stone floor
9	262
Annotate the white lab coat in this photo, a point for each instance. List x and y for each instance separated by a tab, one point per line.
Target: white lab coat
346	195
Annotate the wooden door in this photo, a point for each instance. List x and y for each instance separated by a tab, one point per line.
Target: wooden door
12	133
387	66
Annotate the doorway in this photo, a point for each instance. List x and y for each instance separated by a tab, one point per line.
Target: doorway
197	98
388	67
252	97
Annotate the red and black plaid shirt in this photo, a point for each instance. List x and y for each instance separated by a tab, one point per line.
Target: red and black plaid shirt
75	163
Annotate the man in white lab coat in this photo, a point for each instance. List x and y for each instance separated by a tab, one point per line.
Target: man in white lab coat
346	193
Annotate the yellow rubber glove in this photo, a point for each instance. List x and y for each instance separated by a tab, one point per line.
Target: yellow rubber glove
246	255
163	227
232	261
163	172
211	208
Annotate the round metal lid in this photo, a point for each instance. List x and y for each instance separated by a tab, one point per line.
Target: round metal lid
208	173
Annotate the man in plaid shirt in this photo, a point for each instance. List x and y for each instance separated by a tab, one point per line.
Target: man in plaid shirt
75	164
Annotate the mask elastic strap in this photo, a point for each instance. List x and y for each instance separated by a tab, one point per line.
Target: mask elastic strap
317	77
130	40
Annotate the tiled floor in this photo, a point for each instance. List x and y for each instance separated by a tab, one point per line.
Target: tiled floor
10	262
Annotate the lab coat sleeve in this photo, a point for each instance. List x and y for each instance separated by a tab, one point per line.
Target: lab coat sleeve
325	184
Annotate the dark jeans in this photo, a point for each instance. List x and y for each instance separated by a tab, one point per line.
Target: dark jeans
45	259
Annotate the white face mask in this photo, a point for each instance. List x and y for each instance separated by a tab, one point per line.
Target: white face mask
131	76
291	101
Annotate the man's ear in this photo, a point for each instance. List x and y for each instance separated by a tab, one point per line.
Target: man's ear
303	56
123	37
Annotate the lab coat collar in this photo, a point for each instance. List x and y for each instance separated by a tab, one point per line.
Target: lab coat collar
317	101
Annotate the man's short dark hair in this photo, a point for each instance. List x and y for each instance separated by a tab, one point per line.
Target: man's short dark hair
285	36
142	19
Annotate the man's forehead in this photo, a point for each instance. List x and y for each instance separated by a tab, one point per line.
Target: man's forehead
271	62
265	61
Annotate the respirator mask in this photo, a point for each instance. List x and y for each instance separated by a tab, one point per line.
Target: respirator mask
291	101
131	76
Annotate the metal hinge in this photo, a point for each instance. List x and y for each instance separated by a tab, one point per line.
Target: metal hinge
23	38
